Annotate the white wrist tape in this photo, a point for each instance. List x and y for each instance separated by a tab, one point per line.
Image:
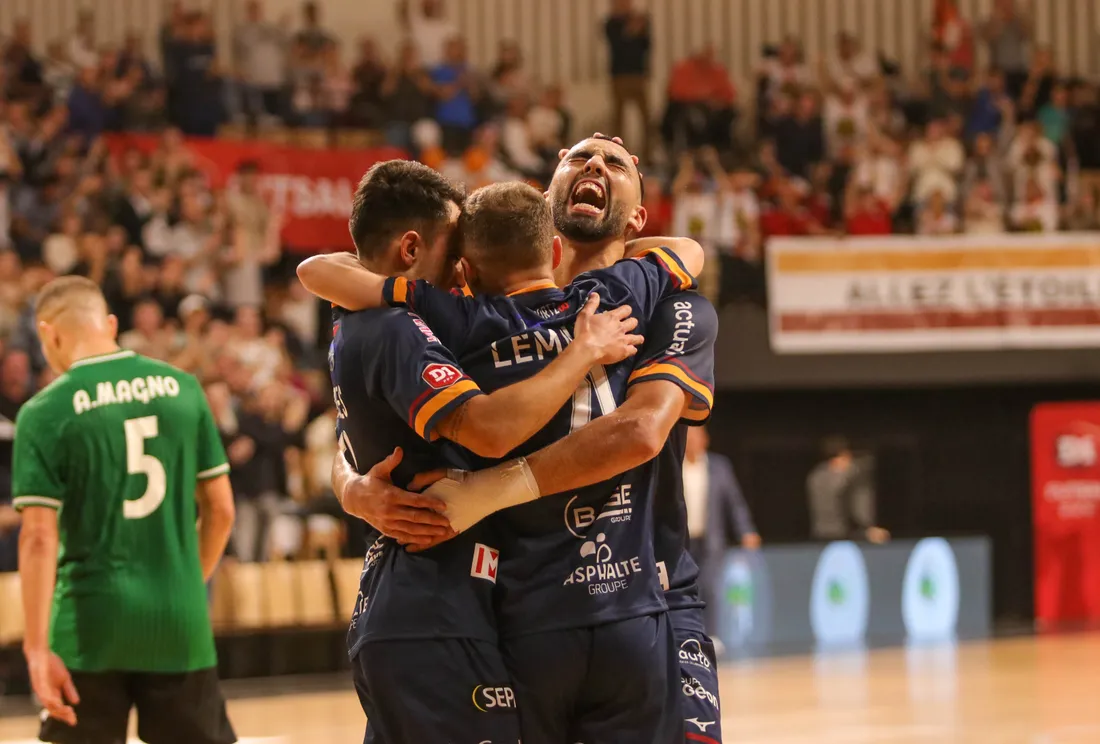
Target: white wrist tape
472	496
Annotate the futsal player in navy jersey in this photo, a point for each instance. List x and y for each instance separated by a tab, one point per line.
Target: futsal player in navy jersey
673	384
585	592
396	386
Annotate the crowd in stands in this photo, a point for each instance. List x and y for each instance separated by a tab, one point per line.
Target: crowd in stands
848	144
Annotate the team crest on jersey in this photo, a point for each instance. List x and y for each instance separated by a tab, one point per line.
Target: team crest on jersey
439	376
484	565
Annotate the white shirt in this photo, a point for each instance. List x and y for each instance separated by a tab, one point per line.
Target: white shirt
515	140
935	166
1036	216
696	489
545	125
845	123
857	69
695	215
882	174
736	211
430	36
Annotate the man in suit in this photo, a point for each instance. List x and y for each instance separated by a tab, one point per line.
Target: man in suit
841	491
717	514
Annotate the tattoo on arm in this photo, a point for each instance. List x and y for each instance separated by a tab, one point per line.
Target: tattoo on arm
454	425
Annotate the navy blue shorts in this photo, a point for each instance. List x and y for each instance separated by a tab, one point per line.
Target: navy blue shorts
607	684
699	700
445	690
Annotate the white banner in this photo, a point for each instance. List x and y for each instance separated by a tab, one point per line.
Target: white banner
934	294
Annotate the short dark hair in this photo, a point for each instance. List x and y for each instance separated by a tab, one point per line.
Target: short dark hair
507	227
395	196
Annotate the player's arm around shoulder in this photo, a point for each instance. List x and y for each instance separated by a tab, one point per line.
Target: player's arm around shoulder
689	253
342	280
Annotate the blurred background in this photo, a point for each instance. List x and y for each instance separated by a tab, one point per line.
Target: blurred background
898	198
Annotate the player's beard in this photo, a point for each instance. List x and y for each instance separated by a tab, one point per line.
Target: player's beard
583	228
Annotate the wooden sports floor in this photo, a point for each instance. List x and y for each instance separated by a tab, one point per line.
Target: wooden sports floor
1042	690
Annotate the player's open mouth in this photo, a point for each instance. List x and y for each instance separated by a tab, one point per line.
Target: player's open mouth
589	197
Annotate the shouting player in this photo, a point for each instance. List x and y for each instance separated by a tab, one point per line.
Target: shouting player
583	641
672	384
110	461
397	386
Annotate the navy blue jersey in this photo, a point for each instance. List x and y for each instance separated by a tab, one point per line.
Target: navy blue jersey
679	347
394	382
573	559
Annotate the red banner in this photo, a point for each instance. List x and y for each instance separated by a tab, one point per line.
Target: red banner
1065	480
312	188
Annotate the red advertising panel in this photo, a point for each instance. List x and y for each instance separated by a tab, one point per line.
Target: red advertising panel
312	189
1065	480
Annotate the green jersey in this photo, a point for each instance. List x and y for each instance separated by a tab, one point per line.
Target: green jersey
117	445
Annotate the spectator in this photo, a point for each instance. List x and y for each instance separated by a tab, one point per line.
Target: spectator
800	137
1036	210
1085	135
738	231
788	217
61	250
992	106
82	46
301	314
934	163
324	513
695	203
984	165
15	389
428	29
936	217
196	86
984	212
1008	32
87	112
718	516
147	336
1054	117
784	71
197	240
368	78
517	145
1083	215
24	70
841	492
260	53
255	239
701	98
1040	82
550	123
507	79
846	118
878	168
312	40
407	96
455	91
337	87
58	71
952	31
1032	156
865	213
629	43
850	66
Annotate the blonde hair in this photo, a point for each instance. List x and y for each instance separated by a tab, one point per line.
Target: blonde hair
70	294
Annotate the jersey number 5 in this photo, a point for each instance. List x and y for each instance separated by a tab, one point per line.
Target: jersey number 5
139	463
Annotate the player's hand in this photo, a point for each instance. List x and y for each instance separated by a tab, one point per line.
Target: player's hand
53	685
607	336
410	518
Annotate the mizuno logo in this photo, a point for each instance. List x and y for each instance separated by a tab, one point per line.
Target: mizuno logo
701	724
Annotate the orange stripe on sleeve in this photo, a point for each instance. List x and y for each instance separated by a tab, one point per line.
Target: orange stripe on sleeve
438	402
671	370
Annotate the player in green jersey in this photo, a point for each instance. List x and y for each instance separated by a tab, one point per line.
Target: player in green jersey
113	464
